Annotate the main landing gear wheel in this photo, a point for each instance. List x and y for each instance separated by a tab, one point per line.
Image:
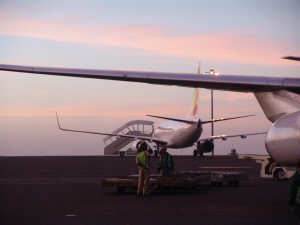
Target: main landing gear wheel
280	174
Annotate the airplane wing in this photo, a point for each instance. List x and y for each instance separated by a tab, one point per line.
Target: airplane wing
146	138
225	137
296	58
221	82
203	122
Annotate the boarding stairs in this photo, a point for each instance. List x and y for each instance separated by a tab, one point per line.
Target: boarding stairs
114	145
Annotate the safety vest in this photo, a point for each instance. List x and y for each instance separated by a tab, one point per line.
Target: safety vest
143	159
170	161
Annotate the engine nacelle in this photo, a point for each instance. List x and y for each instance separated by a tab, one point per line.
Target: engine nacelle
206	146
283	140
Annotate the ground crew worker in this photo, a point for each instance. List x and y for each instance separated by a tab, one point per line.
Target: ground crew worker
143	163
165	163
294	198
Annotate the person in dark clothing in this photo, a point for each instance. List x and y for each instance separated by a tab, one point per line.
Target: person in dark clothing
294	197
165	163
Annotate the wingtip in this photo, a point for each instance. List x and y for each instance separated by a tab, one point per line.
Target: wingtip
295	58
58	121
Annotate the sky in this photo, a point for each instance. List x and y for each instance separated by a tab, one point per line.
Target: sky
231	36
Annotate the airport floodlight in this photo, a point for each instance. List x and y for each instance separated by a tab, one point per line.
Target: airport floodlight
212	72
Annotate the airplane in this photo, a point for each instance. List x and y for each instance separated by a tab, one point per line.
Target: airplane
279	98
176	133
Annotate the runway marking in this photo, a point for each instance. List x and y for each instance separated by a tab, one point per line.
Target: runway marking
70	215
225	167
51	181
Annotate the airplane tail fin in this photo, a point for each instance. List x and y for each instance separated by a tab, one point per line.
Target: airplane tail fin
194	109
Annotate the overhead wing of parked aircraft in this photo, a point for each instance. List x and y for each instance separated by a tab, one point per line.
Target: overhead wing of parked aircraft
279	98
221	82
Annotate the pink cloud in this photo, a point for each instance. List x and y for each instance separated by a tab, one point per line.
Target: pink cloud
150	39
237	96
107	112
228	96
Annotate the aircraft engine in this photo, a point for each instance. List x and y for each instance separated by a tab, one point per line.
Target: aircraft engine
206	146
283	139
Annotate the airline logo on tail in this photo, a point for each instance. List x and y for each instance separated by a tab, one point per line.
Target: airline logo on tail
194	109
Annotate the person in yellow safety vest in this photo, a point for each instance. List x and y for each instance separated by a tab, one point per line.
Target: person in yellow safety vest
143	163
165	163
294	197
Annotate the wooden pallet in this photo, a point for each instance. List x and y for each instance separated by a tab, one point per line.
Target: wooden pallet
178	180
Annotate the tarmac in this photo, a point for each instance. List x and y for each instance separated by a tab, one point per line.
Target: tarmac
67	190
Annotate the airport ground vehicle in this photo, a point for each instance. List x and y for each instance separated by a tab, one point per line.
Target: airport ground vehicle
269	169
232	178
180	180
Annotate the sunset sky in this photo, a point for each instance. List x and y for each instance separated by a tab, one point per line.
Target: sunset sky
231	36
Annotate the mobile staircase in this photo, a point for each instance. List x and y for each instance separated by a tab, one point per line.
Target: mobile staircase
113	144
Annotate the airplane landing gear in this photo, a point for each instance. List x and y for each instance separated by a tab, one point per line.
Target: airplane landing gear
198	152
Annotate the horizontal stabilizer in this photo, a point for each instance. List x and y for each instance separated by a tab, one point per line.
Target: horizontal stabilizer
228	118
174	119
203	122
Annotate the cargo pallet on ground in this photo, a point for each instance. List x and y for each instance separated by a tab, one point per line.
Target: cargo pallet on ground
179	180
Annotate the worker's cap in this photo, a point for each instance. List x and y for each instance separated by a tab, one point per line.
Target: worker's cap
143	146
163	148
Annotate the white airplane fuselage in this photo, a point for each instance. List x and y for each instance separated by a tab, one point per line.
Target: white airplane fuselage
178	135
